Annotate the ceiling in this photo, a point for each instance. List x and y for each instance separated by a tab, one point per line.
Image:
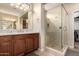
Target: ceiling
71	7
49	6
7	8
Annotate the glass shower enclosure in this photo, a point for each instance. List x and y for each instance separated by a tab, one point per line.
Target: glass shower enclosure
55	20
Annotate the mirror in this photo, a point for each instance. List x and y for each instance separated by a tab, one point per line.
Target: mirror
7	21
4	24
14	17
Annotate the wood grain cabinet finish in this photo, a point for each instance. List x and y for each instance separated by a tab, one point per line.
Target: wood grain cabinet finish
19	44
6	45
29	43
13	45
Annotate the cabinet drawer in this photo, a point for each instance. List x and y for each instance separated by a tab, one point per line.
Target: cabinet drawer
5	38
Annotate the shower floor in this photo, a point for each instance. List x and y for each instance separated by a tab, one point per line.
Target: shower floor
54	46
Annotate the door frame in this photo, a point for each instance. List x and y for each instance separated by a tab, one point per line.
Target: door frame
74	21
73	15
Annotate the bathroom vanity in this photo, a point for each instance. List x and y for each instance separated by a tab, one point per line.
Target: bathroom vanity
16	32
18	44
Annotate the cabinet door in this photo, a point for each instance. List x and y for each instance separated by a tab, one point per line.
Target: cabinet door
36	41
19	45
5	45
29	43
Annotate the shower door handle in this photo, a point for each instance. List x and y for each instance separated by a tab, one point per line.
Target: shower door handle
60	27
63	28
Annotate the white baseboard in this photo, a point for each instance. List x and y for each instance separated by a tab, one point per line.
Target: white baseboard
41	49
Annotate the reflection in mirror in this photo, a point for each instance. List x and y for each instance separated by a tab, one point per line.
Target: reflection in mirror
24	20
7	24
14	16
7	21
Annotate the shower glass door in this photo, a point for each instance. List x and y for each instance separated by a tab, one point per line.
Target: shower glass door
54	27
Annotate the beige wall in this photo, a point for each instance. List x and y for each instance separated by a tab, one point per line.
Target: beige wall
71	8
38	23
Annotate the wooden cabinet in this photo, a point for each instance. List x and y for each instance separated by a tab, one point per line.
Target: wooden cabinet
18	44
32	42
36	41
6	45
29	43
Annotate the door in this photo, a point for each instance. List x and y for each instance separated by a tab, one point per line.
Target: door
19	44
6	45
29	43
54	27
36	41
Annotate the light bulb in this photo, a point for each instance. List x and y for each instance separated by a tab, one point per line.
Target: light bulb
21	8
17	6
24	9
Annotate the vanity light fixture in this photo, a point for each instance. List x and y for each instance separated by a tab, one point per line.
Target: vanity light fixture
22	6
